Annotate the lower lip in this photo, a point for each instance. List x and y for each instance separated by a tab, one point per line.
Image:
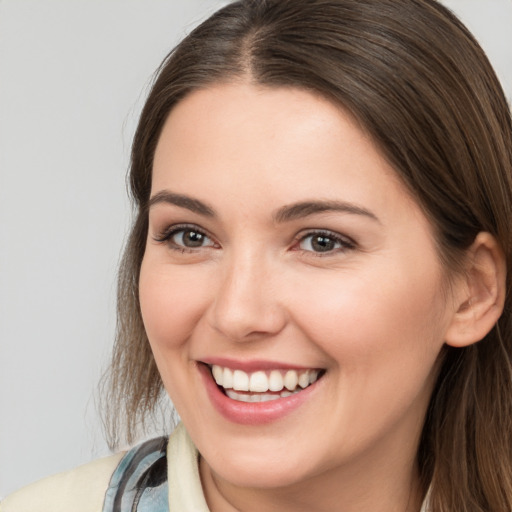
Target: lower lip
252	413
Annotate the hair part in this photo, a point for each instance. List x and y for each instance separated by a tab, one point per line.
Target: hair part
421	86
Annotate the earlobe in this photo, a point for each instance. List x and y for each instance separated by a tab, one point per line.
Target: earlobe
480	295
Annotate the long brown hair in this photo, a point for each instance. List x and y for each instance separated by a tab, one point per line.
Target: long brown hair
421	86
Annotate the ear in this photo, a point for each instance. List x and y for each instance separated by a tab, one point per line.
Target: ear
480	294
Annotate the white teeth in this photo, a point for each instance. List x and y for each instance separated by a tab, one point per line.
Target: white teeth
291	380
261	382
268	398
250	398
240	380
304	380
258	382
218	374
275	381
227	379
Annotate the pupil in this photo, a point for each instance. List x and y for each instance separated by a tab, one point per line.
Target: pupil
322	244
192	239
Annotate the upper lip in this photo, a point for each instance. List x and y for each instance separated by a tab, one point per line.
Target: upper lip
252	365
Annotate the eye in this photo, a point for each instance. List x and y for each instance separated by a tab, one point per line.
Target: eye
185	238
190	238
324	242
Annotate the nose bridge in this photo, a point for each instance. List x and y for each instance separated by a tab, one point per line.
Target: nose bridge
247	299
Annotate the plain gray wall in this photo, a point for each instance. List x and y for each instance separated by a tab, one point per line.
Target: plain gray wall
73	75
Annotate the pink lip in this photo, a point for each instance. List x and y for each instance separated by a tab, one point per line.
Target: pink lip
258	413
252	365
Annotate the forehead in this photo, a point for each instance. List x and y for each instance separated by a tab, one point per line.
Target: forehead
274	145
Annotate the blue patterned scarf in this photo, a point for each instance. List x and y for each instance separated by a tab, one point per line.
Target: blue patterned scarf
139	483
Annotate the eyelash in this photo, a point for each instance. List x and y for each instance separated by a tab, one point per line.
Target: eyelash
345	243
166	237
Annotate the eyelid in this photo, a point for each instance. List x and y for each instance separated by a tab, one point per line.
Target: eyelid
168	232
346	242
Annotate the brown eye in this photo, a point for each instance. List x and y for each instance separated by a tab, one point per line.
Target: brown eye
324	243
191	239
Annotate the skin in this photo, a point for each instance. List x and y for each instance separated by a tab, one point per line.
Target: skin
373	311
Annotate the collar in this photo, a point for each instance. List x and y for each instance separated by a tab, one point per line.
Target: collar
185	491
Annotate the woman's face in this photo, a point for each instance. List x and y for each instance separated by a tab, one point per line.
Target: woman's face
282	249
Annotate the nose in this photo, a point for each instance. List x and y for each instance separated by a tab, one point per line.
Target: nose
247	302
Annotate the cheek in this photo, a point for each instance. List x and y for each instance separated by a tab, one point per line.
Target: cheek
382	343
368	318
172	301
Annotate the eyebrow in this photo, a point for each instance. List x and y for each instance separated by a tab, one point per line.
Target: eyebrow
182	201
304	209
285	214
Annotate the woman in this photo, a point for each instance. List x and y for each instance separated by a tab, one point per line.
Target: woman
317	273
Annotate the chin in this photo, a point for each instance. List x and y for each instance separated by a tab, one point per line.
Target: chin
261	465
262	474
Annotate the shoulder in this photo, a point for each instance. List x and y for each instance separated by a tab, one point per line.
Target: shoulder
137	479
79	490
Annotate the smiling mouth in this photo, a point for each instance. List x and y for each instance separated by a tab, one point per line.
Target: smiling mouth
263	386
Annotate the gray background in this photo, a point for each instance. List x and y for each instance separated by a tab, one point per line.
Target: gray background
73	76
